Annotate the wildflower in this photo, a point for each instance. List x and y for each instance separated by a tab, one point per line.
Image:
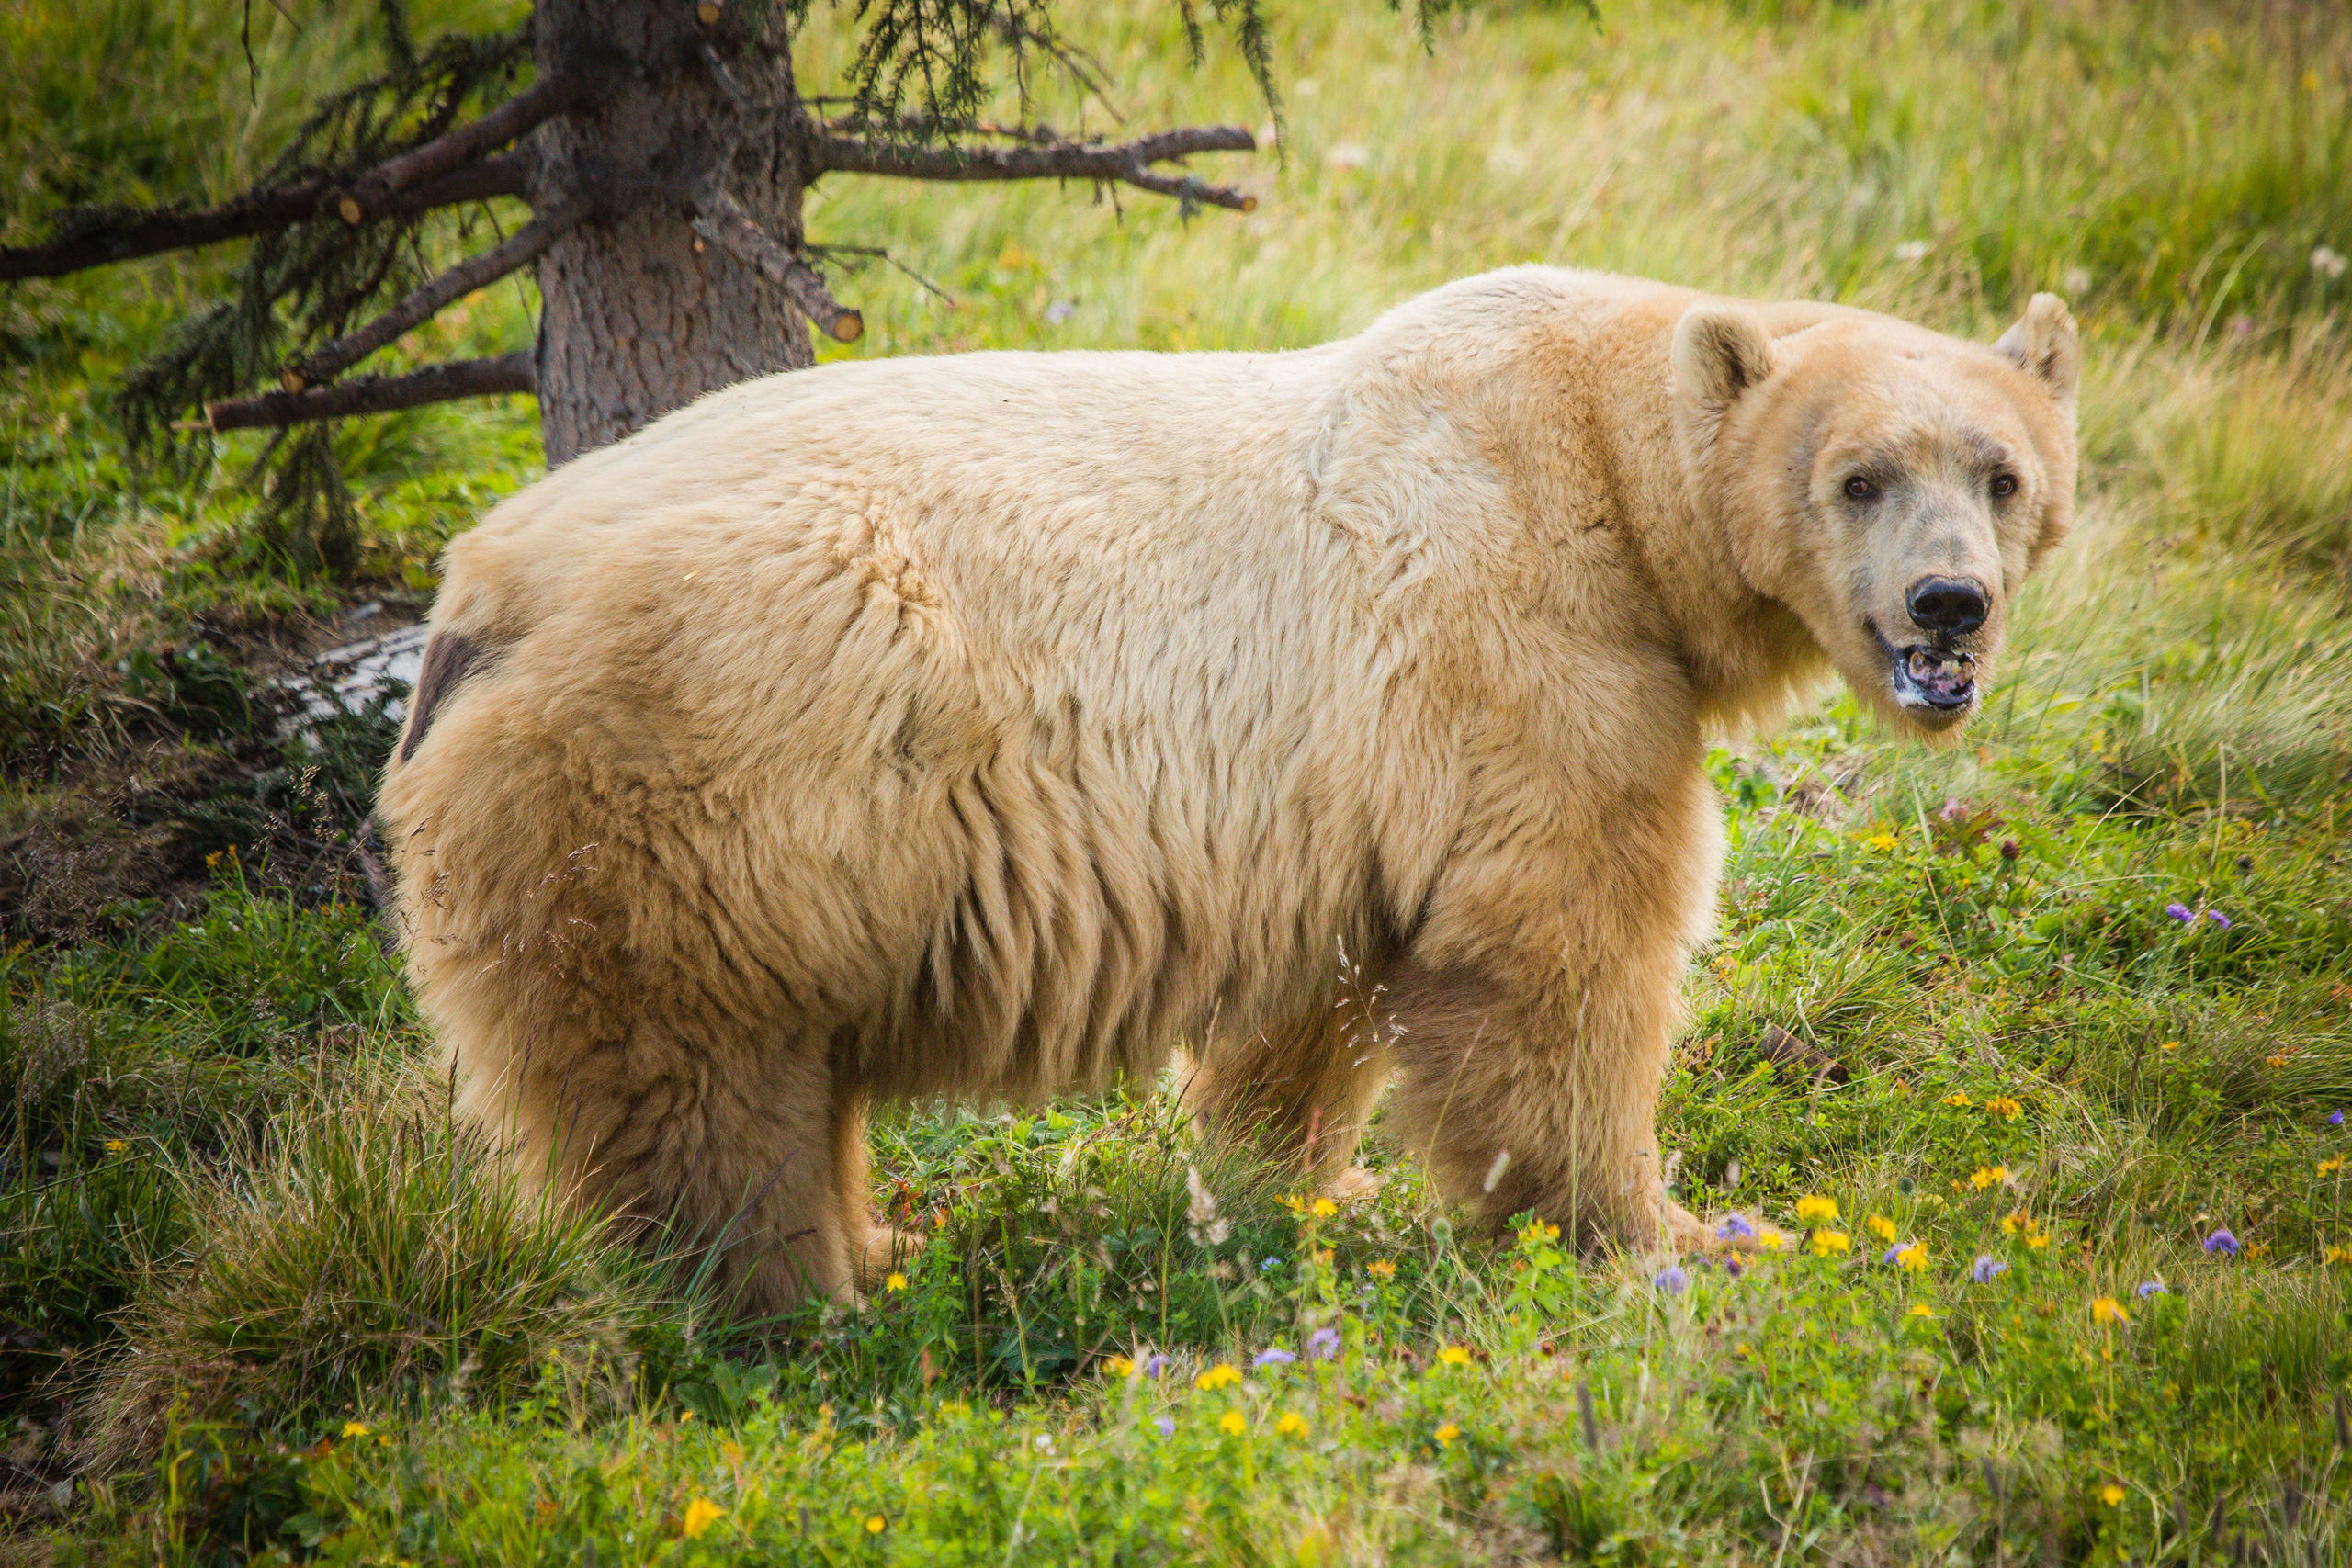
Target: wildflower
1380	1267
702	1513
1446	1434
1882	840
1913	1255
1324	1343
1920	1308
2327	261
1882	1227
2217	917
1119	1366
1816	1211
2006	1108
2037	1239
2169	1045
2107	1310
875	1524
1454	1356
1165	1426
2338	1255
1958	1100
1217	1377
1269	1265
2112	1495
1273	1356
2276	1060
2181	912
1985	1268
2330	1166
1988	1176
2336	1119
731	1451
2222	1241
1291	1424
116	1146
1231	1421
1736	1228
354	1428
1826	1243
1672	1280
1296	1204
1154	1364
1770	1238
2148	1288
1911	250
1324	1208
895	1282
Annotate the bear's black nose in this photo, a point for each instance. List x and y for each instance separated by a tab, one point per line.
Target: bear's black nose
1952	605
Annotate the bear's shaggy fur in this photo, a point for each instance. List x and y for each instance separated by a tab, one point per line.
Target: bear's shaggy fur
987	725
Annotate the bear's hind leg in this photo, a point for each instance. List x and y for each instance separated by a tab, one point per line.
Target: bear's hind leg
877	1249
1302	1092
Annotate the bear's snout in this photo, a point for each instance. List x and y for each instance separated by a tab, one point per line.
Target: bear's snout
1949	606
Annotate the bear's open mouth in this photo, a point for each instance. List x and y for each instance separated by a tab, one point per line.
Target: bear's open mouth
1938	679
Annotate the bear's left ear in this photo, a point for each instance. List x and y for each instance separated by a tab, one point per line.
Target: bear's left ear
1720	351
2044	346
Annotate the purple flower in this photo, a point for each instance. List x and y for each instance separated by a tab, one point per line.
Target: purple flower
2181	912
1167	1426
1324	1343
2336	1119
1985	1267
2222	1241
1736	1228
1154	1364
2217	917
1270	1265
1672	1280
2151	1288
1891	1253
1273	1356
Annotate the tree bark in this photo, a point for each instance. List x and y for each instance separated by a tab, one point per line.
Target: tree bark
638	316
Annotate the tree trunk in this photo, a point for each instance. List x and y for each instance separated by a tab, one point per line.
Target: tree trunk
639	317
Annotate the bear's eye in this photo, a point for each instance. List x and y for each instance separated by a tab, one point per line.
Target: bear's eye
2004	485
1860	489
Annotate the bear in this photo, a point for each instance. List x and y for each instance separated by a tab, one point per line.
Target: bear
991	726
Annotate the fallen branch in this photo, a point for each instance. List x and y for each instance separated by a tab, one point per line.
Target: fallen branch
516	372
357	199
724	222
157	230
520	251
1128	160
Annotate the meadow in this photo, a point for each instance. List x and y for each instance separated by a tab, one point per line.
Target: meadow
2028	1061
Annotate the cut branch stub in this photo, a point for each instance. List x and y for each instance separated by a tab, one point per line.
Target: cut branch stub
1127	160
723	222
356	200
516	372
520	251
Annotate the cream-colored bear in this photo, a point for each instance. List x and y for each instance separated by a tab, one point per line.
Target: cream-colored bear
988	725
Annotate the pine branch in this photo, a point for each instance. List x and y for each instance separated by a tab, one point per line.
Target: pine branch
525	247
157	230
1127	160
723	221
516	372
541	101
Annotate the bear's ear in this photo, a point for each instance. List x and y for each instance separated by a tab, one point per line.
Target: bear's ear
1720	352
2044	346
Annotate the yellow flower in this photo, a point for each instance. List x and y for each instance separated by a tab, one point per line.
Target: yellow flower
2326	1166
701	1514
1882	1227
1882	840
1231	1421
1324	1208
1816	1211
1770	1238
354	1428
2037	1239
731	1451
1217	1377
2112	1495
1120	1366
1913	1258
1456	1355
1296	1204
116	1146
2169	1045
1919	1309
2107	1310
875	1524
2276	1060
1380	1267
1988	1176
1446	1434
1292	1425
2008	1109
2339	1255
895	1282
1958	1099
1827	1242
2016	1221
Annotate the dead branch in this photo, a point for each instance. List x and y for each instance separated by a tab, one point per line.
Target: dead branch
1128	160
357	199
516	372
520	251
723	221
157	230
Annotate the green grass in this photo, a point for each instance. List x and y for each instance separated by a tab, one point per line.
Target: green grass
236	1231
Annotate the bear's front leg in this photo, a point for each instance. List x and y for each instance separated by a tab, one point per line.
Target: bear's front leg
1536	1008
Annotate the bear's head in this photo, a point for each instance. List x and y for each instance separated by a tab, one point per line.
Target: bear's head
1889	485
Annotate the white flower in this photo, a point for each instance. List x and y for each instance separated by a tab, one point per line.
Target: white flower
2077	280
1911	250
1348	155
2327	262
